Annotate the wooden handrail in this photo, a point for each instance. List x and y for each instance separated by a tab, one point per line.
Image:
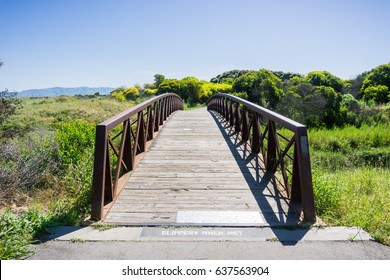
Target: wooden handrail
248	119
111	169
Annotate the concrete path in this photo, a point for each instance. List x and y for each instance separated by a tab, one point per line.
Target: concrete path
163	243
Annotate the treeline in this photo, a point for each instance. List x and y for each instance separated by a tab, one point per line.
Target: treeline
318	99
190	89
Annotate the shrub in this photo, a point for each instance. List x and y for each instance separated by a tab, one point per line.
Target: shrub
26	163
17	232
76	203
74	137
8	105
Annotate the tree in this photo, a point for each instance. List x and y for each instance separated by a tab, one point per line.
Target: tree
150	89
315	106
334	114
132	93
263	87
8	103
207	89
158	79
376	85
169	85
286	76
324	78
228	77
193	90
353	86
118	93
379	93
189	89
244	82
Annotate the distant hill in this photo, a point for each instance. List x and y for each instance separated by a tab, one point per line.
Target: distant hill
57	91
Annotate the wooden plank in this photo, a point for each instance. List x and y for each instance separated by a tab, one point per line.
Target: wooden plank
192	192
135	186
179	206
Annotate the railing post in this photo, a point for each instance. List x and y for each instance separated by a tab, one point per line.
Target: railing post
255	134
302	169
271	149
128	153
231	115
227	116
161	108
156	115
220	105
237	122
245	124
150	124
99	172
165	108
170	108
140	135
224	108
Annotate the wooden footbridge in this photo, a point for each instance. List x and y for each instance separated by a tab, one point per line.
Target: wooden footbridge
232	164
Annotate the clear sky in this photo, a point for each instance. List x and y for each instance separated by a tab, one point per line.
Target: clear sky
69	43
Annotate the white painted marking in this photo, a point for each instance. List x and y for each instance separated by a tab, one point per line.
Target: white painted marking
219	217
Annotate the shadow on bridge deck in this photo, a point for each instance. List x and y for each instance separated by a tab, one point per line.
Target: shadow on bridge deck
259	180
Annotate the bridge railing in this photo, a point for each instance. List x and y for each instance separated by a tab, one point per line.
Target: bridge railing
286	154
118	142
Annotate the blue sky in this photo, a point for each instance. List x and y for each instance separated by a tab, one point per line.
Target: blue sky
69	43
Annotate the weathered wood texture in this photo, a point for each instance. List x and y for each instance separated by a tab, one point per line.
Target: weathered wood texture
197	164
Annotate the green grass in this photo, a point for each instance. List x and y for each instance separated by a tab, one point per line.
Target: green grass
350	138
355	197
351	177
193	106
37	112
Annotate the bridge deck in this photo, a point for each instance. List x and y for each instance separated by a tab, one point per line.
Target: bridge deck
196	172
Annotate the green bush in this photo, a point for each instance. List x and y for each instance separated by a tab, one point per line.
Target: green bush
76	205
74	137
26	164
17	232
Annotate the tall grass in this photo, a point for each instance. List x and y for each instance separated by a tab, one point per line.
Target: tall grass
350	138
355	197
351	177
38	112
